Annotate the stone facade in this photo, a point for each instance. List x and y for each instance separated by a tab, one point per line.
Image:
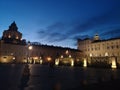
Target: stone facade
21	53
13	49
100	48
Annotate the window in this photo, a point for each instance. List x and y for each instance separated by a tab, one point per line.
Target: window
106	54
117	46
17	37
112	47
9	36
92	49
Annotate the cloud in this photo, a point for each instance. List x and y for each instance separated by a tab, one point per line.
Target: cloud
56	26
95	22
59	31
80	37
53	33
114	33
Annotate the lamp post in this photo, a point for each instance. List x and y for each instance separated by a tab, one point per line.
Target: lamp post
90	61
29	49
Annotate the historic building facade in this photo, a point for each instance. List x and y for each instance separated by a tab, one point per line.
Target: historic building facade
15	49
97	48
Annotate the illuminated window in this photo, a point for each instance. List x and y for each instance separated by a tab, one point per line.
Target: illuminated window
66	52
90	54
16	37
9	36
61	56
106	54
69	56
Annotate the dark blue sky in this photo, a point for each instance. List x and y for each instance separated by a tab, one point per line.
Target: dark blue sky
61	22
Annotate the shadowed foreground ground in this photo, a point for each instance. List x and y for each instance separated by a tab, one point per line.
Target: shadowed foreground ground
42	77
109	85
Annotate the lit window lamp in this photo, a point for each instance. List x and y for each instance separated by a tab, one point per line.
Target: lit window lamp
90	54
106	54
13	58
9	36
17	37
66	52
11	54
40	57
69	56
49	58
61	56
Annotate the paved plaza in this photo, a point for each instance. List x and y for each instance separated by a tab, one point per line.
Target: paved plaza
43	77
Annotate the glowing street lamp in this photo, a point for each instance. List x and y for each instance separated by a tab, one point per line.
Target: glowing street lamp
30	47
57	62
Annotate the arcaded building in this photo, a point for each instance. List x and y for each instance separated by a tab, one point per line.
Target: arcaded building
15	49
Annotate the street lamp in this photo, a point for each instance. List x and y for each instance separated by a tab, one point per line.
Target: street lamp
29	48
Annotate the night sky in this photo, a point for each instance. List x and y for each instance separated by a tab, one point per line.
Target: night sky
61	22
